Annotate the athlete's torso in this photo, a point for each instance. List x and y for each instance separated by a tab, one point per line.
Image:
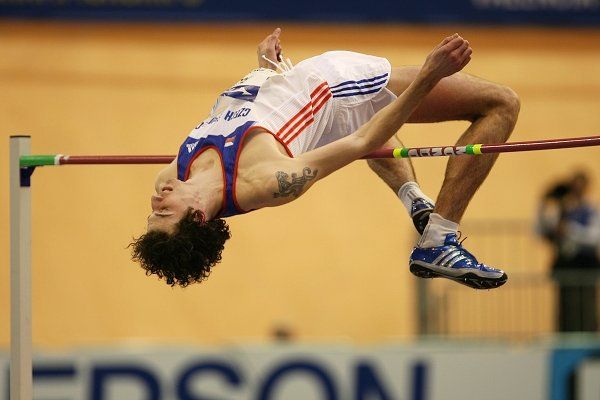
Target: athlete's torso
230	131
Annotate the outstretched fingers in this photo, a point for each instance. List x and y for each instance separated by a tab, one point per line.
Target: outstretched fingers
275	42
270	48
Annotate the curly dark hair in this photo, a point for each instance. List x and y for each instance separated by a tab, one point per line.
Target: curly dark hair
185	256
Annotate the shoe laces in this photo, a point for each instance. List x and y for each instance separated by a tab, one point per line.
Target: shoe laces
460	241
459	238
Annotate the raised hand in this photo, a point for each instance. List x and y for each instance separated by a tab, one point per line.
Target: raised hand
448	57
270	47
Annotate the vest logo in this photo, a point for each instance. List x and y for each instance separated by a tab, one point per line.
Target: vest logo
191	146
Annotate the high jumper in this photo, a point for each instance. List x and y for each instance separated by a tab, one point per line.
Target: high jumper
282	128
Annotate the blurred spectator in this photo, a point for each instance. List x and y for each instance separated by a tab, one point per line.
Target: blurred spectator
571	224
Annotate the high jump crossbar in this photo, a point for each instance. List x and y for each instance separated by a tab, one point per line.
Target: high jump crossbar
22	165
404	152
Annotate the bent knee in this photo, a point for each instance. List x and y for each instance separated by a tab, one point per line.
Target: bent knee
511	102
510	107
506	101
502	104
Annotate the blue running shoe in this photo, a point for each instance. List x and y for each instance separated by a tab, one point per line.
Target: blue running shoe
419	212
454	262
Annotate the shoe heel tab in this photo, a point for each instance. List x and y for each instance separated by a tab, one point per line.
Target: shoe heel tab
451	239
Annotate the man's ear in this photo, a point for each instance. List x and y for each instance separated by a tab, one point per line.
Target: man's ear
199	217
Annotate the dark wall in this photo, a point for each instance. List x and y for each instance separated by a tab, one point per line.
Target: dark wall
566	12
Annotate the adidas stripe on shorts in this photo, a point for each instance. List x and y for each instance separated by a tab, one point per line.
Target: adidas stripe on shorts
323	99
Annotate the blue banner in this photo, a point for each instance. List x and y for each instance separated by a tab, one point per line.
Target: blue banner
566	12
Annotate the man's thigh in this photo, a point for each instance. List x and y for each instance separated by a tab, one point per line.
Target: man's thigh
457	97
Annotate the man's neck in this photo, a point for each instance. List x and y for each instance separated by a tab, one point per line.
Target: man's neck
206	178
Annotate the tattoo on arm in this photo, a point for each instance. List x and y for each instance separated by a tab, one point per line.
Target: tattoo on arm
294	184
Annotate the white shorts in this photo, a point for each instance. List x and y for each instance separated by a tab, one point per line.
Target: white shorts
323	99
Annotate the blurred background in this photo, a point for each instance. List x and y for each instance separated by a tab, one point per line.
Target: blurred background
313	300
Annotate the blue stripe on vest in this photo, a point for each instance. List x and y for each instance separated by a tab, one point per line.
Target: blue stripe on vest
191	147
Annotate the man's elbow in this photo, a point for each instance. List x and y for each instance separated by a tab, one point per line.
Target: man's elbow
366	143
361	144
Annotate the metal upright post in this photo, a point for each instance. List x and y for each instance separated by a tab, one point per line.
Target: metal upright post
21	376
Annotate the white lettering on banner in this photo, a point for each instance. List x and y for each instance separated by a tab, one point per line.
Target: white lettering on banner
532	5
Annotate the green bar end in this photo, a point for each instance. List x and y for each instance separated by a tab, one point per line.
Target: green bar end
37	160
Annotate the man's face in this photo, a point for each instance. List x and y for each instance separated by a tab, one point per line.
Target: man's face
170	205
